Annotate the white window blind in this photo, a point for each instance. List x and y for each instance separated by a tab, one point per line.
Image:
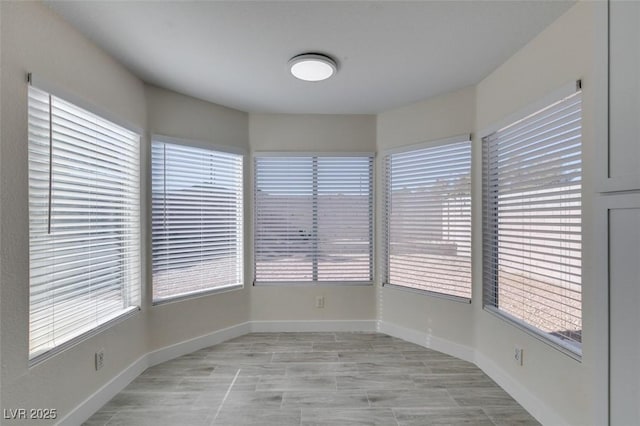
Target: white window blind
197	200
313	219
428	218
84	222
532	222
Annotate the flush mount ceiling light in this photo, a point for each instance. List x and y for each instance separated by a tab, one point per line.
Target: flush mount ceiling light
312	67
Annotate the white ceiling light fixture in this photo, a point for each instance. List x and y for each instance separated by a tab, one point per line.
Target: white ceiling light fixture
312	67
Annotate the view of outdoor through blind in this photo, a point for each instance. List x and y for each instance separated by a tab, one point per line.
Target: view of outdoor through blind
313	219
196	220
84	229
532	221
428	218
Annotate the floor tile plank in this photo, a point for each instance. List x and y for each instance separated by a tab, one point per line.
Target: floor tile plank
313	379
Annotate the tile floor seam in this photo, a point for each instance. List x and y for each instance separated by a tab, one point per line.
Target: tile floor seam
226	396
393	411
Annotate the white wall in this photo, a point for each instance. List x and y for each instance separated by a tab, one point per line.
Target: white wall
179	116
312	133
553	386
436	118
618	221
1	244
561	385
35	40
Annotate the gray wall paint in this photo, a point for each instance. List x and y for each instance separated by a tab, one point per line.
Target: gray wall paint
312	133
180	116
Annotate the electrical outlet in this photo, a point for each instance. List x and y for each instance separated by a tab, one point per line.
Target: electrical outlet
99	359
518	355
319	302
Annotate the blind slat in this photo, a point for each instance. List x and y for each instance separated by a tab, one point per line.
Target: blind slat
313	219
196	220
428	219
532	221
84	222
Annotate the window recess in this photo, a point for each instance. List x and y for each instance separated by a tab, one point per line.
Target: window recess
313	219
84	223
197	220
428	218
532	225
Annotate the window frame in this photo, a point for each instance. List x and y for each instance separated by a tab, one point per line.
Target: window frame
133	265
386	239
199	144
571	350
372	213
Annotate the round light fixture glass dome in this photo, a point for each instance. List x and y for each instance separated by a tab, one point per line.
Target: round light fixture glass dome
312	67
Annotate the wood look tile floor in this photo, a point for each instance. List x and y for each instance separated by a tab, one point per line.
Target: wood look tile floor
305	379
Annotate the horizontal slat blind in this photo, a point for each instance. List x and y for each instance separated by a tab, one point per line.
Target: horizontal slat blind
84	221
532	221
313	219
196	220
428	219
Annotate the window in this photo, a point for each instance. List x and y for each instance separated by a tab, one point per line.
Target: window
314	219
532	222
197	221
428	218
84	223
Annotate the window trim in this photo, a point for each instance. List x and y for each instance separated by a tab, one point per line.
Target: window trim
202	144
532	331
196	294
212	146
373	155
557	95
34	80
429	293
464	137
562	92
312	283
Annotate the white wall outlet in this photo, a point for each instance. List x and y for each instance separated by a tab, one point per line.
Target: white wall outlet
319	302
518	355
99	359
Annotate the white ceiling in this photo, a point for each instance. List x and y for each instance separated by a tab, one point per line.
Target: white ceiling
235	53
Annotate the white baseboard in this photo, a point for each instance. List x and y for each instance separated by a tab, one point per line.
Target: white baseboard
191	345
314	326
93	403
428	341
538	409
